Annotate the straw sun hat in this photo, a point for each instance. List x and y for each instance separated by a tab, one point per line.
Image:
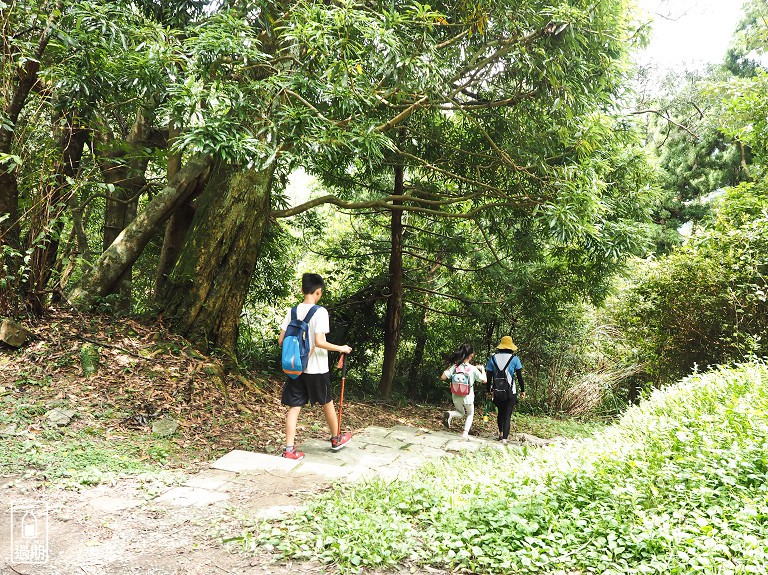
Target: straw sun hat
507	343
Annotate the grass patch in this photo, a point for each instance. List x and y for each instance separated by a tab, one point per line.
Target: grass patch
678	485
550	427
75	459
79	455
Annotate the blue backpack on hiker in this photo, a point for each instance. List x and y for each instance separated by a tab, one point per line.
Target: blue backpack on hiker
296	344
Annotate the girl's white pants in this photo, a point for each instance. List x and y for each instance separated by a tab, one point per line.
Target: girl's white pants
463	410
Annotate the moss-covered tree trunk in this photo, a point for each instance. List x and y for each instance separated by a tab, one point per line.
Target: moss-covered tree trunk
205	293
393	321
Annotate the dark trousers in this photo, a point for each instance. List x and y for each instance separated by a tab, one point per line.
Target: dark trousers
504	415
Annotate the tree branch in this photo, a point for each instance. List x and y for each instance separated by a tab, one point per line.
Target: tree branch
667	118
491	248
505	157
402	115
437	311
384	205
445	295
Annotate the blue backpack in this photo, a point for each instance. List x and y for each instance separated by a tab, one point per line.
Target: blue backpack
296	344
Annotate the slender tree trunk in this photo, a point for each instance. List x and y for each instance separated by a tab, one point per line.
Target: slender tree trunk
175	233
9	207
26	79
178	225
105	274
414	372
48	222
394	317
79	229
124	166
9	187
204	295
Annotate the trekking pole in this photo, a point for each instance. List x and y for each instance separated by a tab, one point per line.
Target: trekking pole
343	365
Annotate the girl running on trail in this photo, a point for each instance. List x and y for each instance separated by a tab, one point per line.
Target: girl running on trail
464	404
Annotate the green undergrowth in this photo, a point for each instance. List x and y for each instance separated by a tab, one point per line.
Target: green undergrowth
550	427
678	485
84	453
73	459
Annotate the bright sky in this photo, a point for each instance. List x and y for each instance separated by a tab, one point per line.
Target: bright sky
689	33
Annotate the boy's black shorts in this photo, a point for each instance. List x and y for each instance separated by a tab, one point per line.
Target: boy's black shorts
314	388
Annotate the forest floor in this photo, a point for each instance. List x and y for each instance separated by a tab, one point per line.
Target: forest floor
83	446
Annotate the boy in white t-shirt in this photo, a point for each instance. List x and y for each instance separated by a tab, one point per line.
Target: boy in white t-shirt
314	384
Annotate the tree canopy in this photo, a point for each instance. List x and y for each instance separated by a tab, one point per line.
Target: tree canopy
477	172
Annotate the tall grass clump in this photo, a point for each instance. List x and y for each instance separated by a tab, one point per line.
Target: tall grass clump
678	485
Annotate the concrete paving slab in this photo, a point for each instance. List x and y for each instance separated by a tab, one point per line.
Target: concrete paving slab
383	449
376	431
314	445
239	461
424	452
374	460
376	451
191	496
110	504
213	479
436	440
408	434
324	469
314	448
464	445
328	459
387	442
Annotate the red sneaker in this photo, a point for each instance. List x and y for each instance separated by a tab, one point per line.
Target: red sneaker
291	453
339	441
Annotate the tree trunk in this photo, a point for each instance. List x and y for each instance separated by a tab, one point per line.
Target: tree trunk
26	79
124	165
205	293
394	317
414	372
9	207
9	188
175	233
48	222
105	274
177	227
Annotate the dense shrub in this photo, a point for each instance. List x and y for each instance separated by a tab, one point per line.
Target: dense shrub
705	303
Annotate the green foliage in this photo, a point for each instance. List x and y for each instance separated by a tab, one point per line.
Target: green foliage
705	303
89	358
695	156
677	486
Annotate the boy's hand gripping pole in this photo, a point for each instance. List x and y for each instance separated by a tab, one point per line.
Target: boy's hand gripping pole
343	365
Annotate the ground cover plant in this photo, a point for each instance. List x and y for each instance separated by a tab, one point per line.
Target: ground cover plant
678	485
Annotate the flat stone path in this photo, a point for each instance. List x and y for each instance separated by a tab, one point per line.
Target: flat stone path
376	451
